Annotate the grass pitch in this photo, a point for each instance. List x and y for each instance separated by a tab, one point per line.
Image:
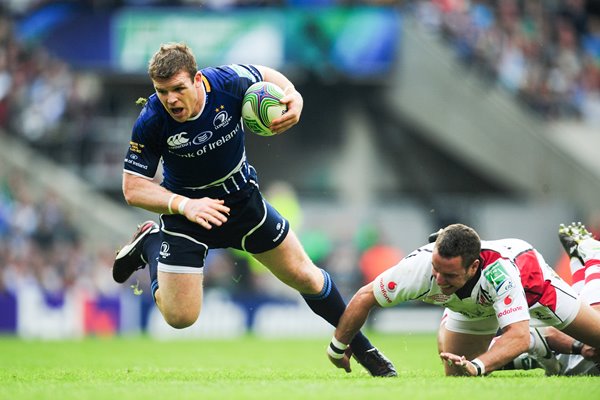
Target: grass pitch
252	368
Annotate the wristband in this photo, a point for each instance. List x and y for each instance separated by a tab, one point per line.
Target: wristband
576	347
336	349
181	207
171	202
479	366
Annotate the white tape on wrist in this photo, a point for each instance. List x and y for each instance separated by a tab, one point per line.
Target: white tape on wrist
170	204
479	366
333	354
336	348
181	207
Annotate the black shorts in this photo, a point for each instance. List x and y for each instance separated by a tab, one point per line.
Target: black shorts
253	225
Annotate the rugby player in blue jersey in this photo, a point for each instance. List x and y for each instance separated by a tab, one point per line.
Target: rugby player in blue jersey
209	196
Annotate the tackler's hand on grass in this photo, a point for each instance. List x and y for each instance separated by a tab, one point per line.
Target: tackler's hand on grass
461	362
343	362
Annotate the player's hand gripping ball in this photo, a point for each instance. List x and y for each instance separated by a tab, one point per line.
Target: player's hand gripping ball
261	106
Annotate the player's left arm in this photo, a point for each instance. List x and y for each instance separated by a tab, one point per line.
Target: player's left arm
562	343
350	323
513	341
292	99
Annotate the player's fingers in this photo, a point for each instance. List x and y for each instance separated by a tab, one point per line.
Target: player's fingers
284	122
223	209
343	363
450	358
347	357
346	365
219	207
216	219
213	215
282	126
202	222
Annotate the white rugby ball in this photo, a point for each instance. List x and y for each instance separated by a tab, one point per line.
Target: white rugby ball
261	106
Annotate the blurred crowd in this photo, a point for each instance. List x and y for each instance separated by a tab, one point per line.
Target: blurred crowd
40	244
546	53
42	100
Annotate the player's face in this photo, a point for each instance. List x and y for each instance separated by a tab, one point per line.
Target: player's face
450	274
181	95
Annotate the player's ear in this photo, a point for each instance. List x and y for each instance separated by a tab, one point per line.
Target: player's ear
475	265
198	78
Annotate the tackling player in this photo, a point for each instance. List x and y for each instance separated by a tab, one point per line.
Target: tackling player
209	196
483	285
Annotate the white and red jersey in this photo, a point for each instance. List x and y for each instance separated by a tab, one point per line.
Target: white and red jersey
513	283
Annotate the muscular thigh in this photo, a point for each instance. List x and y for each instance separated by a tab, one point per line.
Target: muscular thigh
463	344
465	337
586	326
180	291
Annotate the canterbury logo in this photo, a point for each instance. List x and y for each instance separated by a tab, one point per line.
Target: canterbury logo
177	140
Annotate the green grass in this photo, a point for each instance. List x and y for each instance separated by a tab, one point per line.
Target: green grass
251	368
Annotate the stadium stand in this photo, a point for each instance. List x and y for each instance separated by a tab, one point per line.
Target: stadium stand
545	53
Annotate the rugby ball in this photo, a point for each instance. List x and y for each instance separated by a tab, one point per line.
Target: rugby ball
261	106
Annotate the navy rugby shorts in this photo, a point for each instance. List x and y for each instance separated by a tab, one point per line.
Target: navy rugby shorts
253	226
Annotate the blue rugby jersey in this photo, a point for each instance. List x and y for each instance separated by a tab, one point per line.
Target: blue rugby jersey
204	156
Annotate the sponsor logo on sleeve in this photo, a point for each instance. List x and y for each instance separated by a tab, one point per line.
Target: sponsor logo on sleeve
136	147
384	291
509	310
497	276
131	161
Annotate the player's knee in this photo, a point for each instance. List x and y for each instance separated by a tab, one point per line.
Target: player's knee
180	320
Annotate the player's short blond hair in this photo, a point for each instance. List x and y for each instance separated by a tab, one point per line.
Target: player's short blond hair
171	59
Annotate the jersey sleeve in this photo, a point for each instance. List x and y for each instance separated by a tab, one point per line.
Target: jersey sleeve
503	280
234	79
410	279
143	155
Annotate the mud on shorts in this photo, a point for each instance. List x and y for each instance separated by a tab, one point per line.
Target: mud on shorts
253	226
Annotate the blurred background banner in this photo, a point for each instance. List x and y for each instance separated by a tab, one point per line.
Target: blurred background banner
358	42
245	36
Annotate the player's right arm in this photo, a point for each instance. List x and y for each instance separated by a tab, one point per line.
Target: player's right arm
350	323
513	341
145	193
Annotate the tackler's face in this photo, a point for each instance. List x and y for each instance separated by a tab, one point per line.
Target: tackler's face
450	274
181	95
